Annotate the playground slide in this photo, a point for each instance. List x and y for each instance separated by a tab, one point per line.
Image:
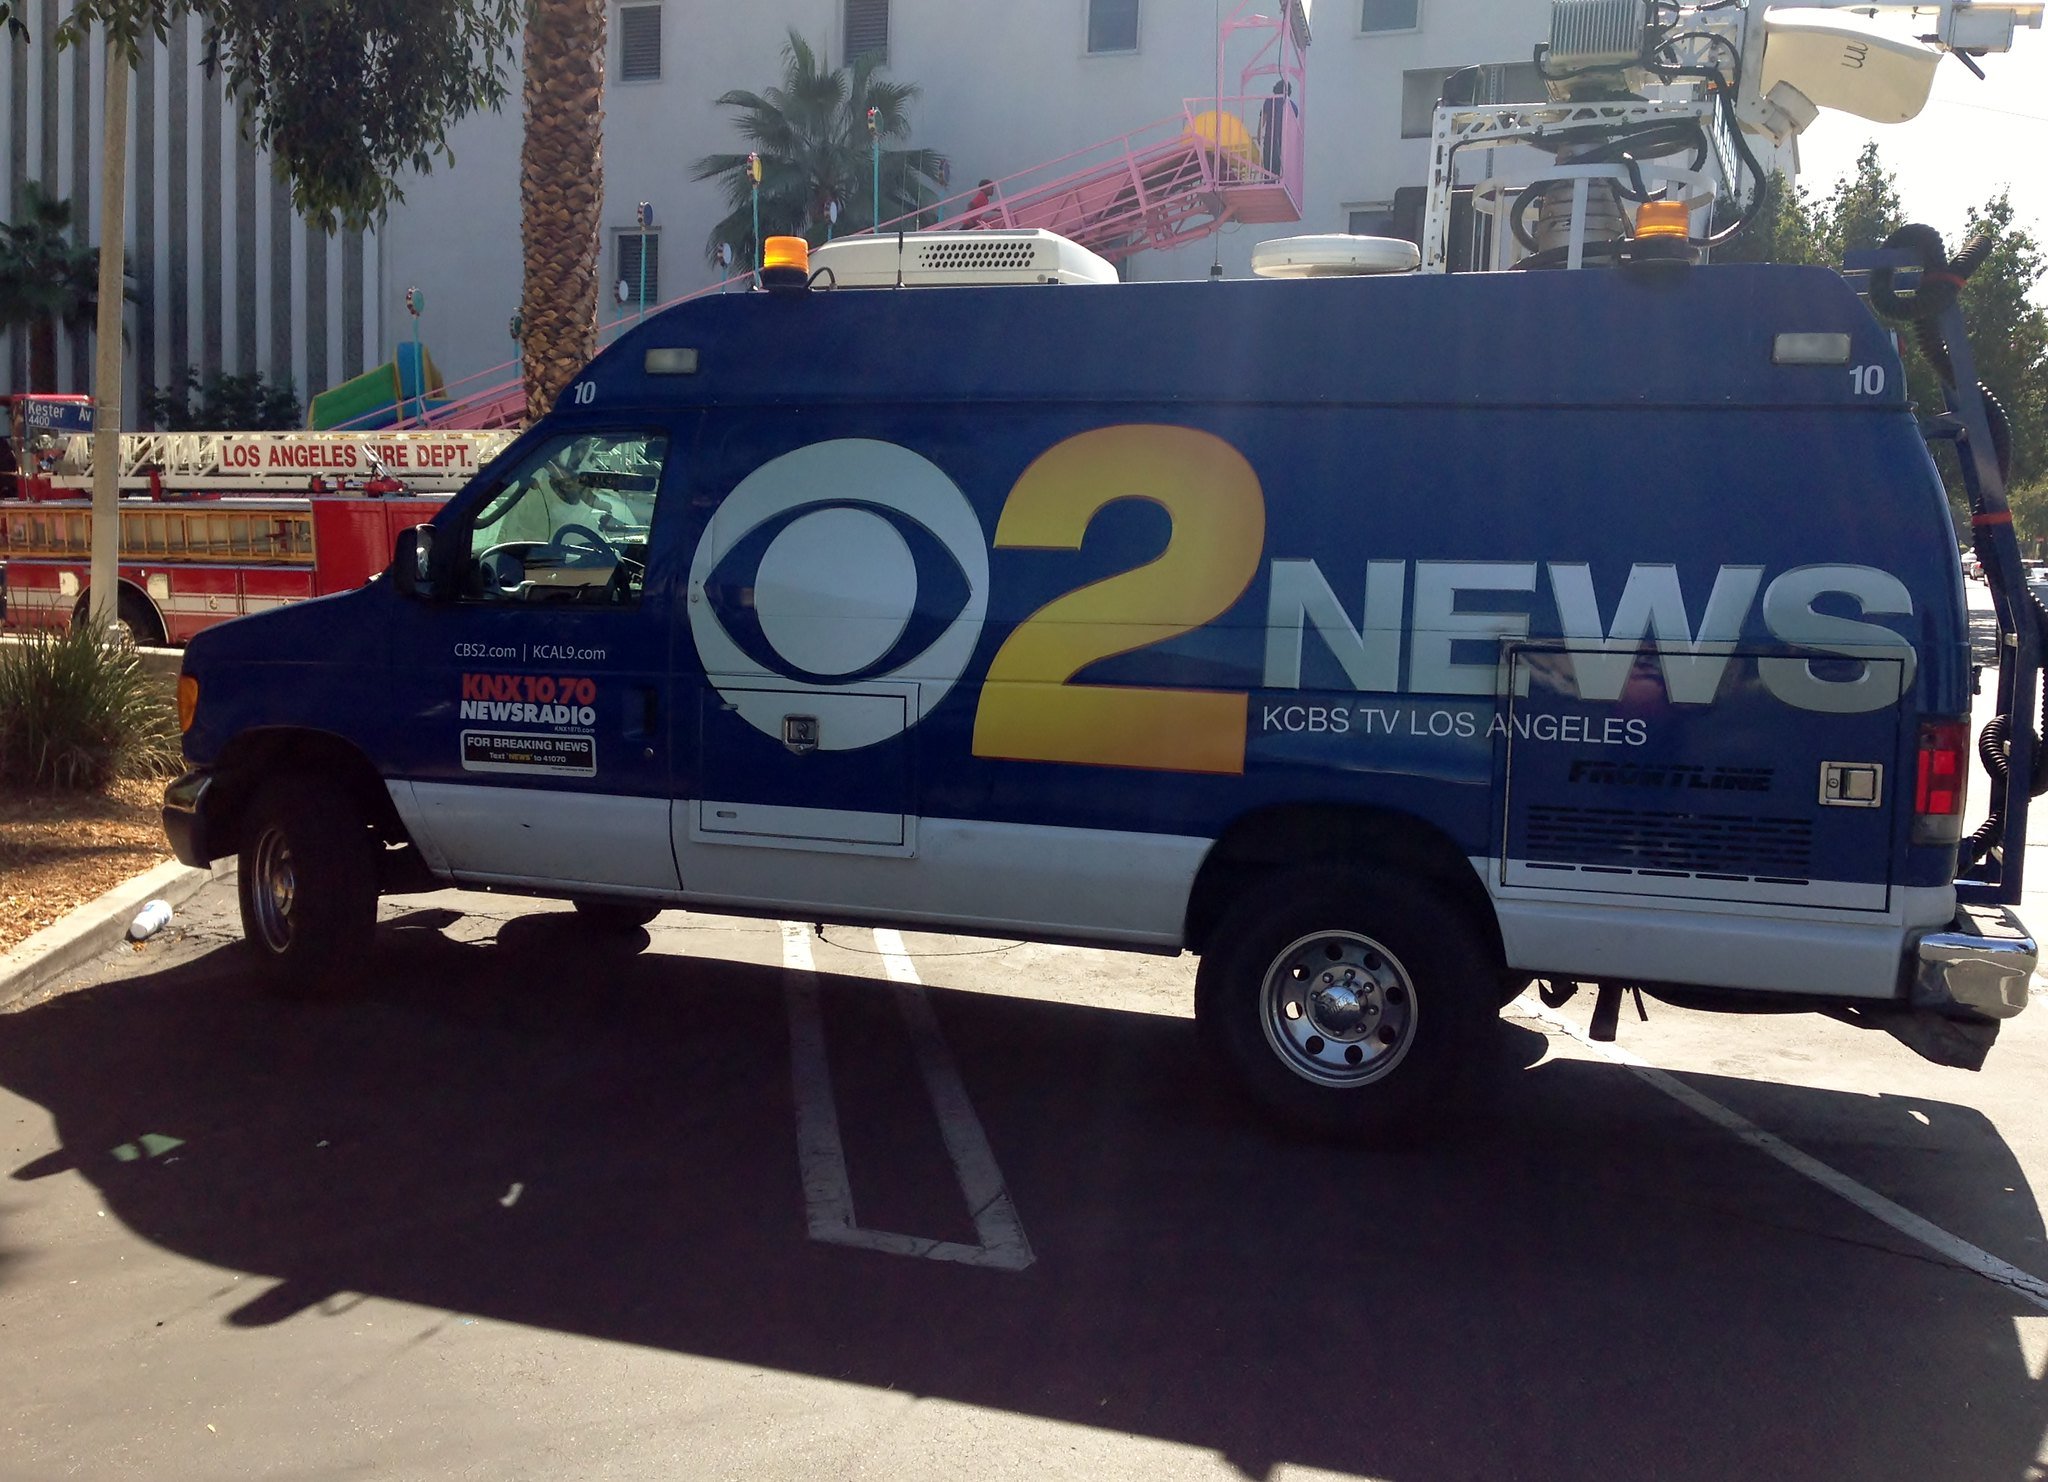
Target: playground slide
401	390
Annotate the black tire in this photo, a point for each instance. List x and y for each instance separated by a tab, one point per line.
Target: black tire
134	618
1407	1002
617	917
307	882
134	613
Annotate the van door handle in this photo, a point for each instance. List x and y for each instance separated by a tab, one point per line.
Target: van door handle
644	717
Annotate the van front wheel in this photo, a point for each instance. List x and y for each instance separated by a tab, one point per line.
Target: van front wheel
307	882
1346	1002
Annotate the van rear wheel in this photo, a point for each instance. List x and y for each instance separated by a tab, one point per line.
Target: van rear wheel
307	883
1346	1002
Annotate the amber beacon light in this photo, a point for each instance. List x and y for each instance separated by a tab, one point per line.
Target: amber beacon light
786	263
1663	235
1663	219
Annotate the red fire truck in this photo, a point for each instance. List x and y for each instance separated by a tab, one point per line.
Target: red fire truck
213	524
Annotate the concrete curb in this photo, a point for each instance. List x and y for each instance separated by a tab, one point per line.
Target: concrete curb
91	929
164	663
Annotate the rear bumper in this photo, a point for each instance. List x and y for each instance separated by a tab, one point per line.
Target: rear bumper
185	818
1979	966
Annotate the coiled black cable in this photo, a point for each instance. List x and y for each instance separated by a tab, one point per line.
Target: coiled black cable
1939	286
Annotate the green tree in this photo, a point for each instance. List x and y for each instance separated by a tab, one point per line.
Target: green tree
223	403
2009	334
1860	211
346	97
49	279
812	136
1783	227
2008	330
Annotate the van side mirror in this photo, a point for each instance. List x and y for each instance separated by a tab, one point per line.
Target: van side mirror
412	563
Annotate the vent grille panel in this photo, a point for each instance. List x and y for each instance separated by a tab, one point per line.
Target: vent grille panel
976	256
1646	839
640	43
867	29
1595	33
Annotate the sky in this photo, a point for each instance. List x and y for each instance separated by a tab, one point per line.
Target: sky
1972	138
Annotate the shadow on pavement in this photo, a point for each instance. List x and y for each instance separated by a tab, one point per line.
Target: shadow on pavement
1582	1281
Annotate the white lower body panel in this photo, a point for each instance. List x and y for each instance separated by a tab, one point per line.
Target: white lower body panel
1027	880
1822	951
1116	889
1014	879
537	838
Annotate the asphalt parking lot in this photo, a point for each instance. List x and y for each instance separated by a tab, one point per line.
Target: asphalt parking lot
735	1198
538	1204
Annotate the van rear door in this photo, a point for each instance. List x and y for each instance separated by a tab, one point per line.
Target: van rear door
1745	799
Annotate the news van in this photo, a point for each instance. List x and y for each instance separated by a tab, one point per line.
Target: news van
1390	642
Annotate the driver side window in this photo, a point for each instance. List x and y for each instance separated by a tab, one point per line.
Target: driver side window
570	525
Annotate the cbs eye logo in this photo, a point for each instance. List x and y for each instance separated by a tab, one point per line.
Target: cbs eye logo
846	566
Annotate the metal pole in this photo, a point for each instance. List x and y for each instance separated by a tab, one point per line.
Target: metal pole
646	229
106	427
754	173
415	303
875	147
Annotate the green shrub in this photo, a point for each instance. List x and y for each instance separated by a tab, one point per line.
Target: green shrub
76	712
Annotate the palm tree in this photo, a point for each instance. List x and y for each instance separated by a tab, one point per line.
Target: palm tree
561	183
812	136
49	279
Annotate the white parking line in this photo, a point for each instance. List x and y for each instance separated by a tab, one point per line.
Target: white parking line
821	1154
1950	1247
974	1162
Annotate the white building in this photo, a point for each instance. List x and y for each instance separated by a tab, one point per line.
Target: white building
229	280
225	274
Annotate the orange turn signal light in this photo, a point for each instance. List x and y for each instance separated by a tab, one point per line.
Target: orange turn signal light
188	702
785	262
1663	219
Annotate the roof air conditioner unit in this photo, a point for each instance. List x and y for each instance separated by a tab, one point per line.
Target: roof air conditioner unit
978	258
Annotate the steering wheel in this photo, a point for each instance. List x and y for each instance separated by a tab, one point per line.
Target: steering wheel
502	567
559	545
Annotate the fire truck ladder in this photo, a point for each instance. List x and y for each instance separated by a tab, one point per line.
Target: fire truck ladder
283	462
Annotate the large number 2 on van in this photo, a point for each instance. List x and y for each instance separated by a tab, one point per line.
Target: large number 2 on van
1031	710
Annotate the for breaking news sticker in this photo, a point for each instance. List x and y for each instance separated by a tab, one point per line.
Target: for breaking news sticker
528	753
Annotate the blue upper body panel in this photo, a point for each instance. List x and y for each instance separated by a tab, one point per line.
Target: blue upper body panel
1214	547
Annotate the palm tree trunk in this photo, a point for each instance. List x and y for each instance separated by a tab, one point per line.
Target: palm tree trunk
42	355
561	180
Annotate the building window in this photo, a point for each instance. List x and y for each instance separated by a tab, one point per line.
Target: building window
640	43
632	247
867	29
1112	25
1492	82
1370	219
1389	15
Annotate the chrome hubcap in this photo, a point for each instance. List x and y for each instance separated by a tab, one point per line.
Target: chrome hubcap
1338	1008
274	889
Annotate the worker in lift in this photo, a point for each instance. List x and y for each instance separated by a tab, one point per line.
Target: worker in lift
984	192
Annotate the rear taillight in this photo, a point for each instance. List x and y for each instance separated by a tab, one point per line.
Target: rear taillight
1941	780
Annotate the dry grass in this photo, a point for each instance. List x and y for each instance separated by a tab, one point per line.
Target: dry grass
59	850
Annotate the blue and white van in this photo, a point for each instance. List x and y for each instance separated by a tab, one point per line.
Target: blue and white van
1389	642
